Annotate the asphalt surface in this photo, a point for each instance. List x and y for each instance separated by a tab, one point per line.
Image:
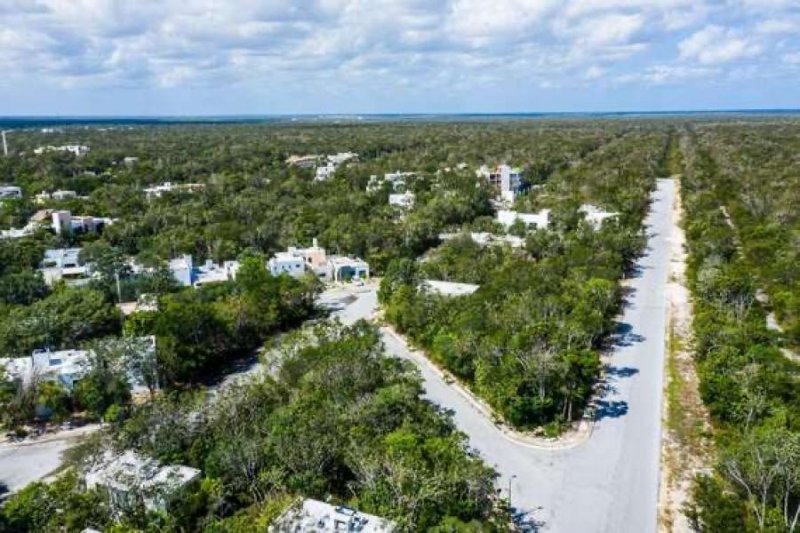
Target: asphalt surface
34	459
609	482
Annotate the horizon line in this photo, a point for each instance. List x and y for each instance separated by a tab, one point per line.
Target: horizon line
401	114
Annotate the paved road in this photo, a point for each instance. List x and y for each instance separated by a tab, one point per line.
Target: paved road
32	460
609	483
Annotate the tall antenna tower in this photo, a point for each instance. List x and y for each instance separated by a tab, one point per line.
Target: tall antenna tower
5	144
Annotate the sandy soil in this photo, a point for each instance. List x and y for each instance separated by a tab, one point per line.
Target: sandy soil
685	441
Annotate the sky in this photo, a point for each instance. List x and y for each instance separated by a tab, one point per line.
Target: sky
261	57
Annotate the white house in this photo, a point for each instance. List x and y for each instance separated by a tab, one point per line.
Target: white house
62	264
156	191
130	478
404	200
449	288
130	161
16	233
65	367
343	268
289	262
44	196
505	179
538	220
190	275
326	170
77	150
8	192
595	215
397	179
64	222
315	257
485	239
306	516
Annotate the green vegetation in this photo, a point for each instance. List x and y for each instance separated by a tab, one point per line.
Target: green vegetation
336	419
527	341
748	385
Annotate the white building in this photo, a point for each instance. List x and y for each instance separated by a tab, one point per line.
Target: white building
538	220
30	228
8	192
449	288
297	261
309	516
64	367
505	179
343	268
44	196
325	171
595	215
485	239
77	150
397	179
16	233
156	191
62	264
130	161
404	200
332	162
288	262
64	222
130	478
190	275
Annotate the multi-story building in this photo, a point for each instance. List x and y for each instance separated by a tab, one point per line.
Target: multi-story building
63	264
65	222
507	180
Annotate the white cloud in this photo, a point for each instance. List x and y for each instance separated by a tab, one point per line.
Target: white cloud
716	45
792	58
667	74
594	73
336	44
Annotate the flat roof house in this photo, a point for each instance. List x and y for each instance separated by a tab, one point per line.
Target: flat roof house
77	150
65	222
595	215
539	220
129	478
404	200
314	259
8	192
343	268
188	274
306	516
156	191
288	262
62	264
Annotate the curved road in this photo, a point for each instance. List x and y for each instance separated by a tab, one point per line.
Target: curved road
609	482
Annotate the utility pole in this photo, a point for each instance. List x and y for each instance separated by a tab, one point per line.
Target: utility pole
5	144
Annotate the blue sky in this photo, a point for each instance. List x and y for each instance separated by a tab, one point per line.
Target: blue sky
215	57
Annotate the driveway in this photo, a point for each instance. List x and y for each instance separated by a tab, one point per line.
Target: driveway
608	482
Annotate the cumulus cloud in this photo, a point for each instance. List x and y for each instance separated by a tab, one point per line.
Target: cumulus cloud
341	43
715	44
